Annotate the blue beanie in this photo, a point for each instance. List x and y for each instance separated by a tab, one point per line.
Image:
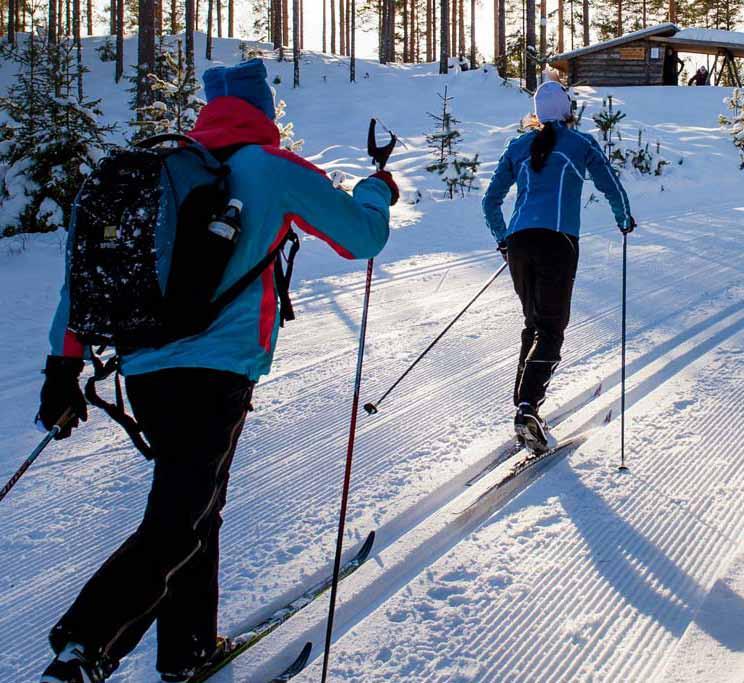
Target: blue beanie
246	80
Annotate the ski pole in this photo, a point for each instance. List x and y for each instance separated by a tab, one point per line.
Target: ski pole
58	427
347	473
373	408
622	353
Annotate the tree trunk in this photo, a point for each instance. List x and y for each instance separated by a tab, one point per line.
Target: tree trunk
296	42
52	23
189	20
444	37
673	11
210	12
230	18
473	49
89	17
452	20
503	65
120	39
406	56
352	38
561	28
145	50
341	27
587	23
174	17
461	21
219	18
285	23
158	17
325	29
333	27
11	22
543	27
76	28
619	29
529	56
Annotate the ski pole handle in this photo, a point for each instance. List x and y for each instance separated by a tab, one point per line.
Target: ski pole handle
58	427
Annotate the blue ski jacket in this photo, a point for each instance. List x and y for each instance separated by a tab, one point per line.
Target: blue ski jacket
278	189
551	199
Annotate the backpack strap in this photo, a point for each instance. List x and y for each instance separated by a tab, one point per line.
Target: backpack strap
116	411
275	255
210	162
283	278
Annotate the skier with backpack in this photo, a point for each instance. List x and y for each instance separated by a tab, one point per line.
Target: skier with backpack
541	244
174	257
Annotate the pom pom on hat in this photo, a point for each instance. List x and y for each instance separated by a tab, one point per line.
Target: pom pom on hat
246	80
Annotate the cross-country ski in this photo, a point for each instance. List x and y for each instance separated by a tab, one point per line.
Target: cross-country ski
379	342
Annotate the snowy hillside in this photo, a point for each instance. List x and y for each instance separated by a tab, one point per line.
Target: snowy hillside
586	575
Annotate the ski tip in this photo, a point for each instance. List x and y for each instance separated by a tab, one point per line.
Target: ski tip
366	548
371	408
297	666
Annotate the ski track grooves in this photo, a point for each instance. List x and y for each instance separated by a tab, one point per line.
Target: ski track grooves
447	535
465	382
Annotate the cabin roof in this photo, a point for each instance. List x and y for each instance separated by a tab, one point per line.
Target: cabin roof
660	30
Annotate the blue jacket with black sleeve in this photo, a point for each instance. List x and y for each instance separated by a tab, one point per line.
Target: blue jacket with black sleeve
551	199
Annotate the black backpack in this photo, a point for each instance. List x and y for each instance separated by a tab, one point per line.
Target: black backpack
149	249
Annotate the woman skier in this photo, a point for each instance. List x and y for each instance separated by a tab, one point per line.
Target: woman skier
541	244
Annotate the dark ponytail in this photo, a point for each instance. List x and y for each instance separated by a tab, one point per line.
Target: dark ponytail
542	146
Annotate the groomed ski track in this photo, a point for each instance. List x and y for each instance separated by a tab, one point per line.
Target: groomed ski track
584	576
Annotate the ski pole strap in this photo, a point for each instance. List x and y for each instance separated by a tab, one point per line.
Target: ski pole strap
116	411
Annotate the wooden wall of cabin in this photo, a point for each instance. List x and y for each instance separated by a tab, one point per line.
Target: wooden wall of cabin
631	64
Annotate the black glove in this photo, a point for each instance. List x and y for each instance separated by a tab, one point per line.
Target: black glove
60	392
504	251
629	227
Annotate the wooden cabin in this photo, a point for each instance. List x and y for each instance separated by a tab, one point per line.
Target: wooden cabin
650	57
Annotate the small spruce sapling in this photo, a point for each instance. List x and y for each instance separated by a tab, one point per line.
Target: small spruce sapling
459	173
608	121
733	123
286	130
176	104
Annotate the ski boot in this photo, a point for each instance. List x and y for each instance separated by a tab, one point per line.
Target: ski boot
72	666
224	645
530	427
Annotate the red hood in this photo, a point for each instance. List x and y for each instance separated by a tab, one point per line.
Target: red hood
228	121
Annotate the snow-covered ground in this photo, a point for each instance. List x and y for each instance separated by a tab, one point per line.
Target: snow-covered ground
587	574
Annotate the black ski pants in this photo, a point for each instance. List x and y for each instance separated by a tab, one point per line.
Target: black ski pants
543	268
167	570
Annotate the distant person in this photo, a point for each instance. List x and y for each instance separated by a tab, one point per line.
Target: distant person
541	244
191	396
673	67
700	77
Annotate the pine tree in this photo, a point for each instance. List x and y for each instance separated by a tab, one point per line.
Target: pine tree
176	104
54	136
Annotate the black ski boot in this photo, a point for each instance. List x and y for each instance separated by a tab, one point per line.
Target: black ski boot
530	428
72	666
